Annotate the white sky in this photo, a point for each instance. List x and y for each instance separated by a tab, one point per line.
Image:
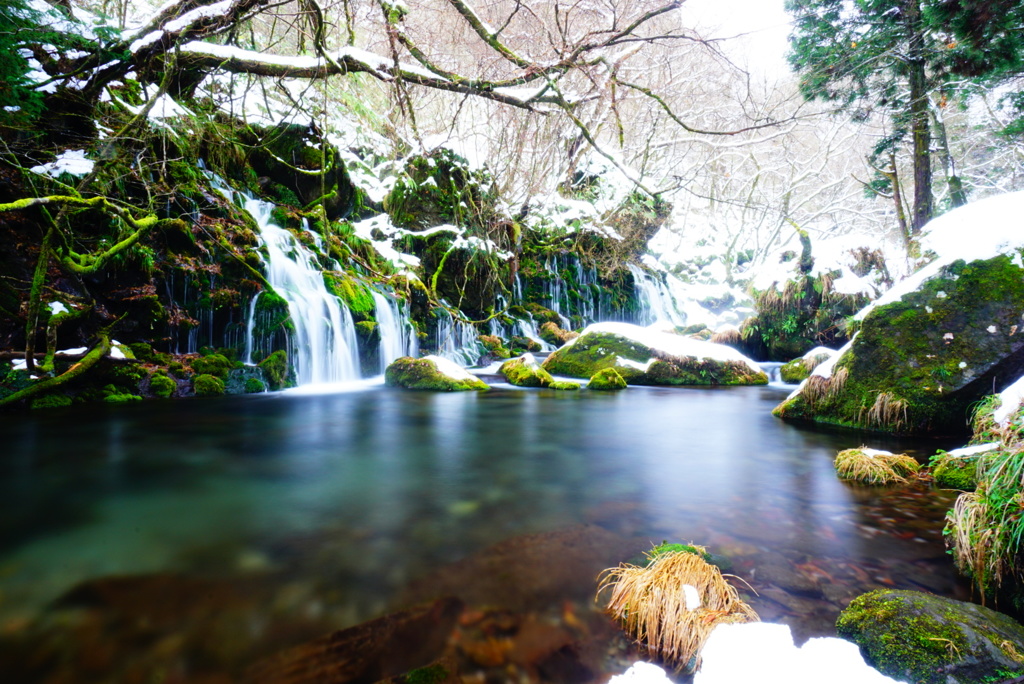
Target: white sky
765	22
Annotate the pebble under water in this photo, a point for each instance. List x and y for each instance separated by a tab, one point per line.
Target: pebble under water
193	540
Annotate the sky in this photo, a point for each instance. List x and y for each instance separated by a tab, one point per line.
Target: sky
764	21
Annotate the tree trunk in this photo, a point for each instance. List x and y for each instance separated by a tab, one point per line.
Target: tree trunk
919	124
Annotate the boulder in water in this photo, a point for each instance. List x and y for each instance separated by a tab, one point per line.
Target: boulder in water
648	357
799	369
918	363
926	639
524	371
433	373
607	380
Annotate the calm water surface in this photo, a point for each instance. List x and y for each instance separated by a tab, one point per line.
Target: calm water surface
338	504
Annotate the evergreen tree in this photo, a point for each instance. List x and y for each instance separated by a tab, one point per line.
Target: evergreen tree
868	54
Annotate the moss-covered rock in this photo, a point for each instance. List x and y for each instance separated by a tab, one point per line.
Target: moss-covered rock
918	364
925	639
212	364
208	386
525	372
958	469
51	401
564	385
645	357
246	380
494	346
799	369
552	334
607	380
162	386
432	373
275	368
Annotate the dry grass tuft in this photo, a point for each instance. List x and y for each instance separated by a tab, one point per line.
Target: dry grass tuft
888	411
651	604
868	466
727	336
819	390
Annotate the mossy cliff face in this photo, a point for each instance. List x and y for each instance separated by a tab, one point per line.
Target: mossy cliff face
925	639
423	374
918	364
639	364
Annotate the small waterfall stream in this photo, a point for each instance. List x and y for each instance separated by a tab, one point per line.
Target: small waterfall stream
323	348
657	305
397	334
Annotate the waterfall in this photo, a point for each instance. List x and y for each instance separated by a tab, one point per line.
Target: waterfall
323	346
456	340
656	302
250	327
397	334
528	329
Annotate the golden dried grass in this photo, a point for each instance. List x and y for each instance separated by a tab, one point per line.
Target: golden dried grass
651	604
727	336
888	411
868	466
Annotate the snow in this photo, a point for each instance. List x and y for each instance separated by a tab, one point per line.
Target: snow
993	227
217	9
629	363
692	597
57	308
641	673
874	452
449	368
115	350
820	351
964	452
668	343
1011	398
382	222
736	653
69	161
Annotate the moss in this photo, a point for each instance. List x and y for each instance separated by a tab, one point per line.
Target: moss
177	368
607	380
51	401
523	373
924	638
665	547
162	386
208	386
564	385
430	674
494	345
952	472
523	345
143	351
214	364
422	374
353	292
254	386
120	397
275	367
795	371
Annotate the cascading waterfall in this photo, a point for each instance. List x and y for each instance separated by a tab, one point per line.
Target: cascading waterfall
656	302
250	328
397	334
456	340
323	348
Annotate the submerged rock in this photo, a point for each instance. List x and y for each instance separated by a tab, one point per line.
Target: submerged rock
525	372
925	639
919	363
607	380
648	357
431	373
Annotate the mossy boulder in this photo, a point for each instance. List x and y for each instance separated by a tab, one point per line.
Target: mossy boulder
646	357
50	401
246	380
213	364
494	346
564	385
552	334
208	386
800	369
958	469
918	364
925	639
524	371
275	370
432	373
162	386
607	380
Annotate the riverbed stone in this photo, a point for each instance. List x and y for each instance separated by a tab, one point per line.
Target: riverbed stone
647	357
524	371
925	639
431	373
917	365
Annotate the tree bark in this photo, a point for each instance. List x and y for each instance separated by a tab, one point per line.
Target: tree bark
919	124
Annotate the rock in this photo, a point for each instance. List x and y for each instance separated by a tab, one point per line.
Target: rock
431	373
524	371
925	639
800	368
565	385
918	364
958	469
607	380
647	357
550	332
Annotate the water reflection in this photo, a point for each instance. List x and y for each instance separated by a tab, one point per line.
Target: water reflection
353	495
